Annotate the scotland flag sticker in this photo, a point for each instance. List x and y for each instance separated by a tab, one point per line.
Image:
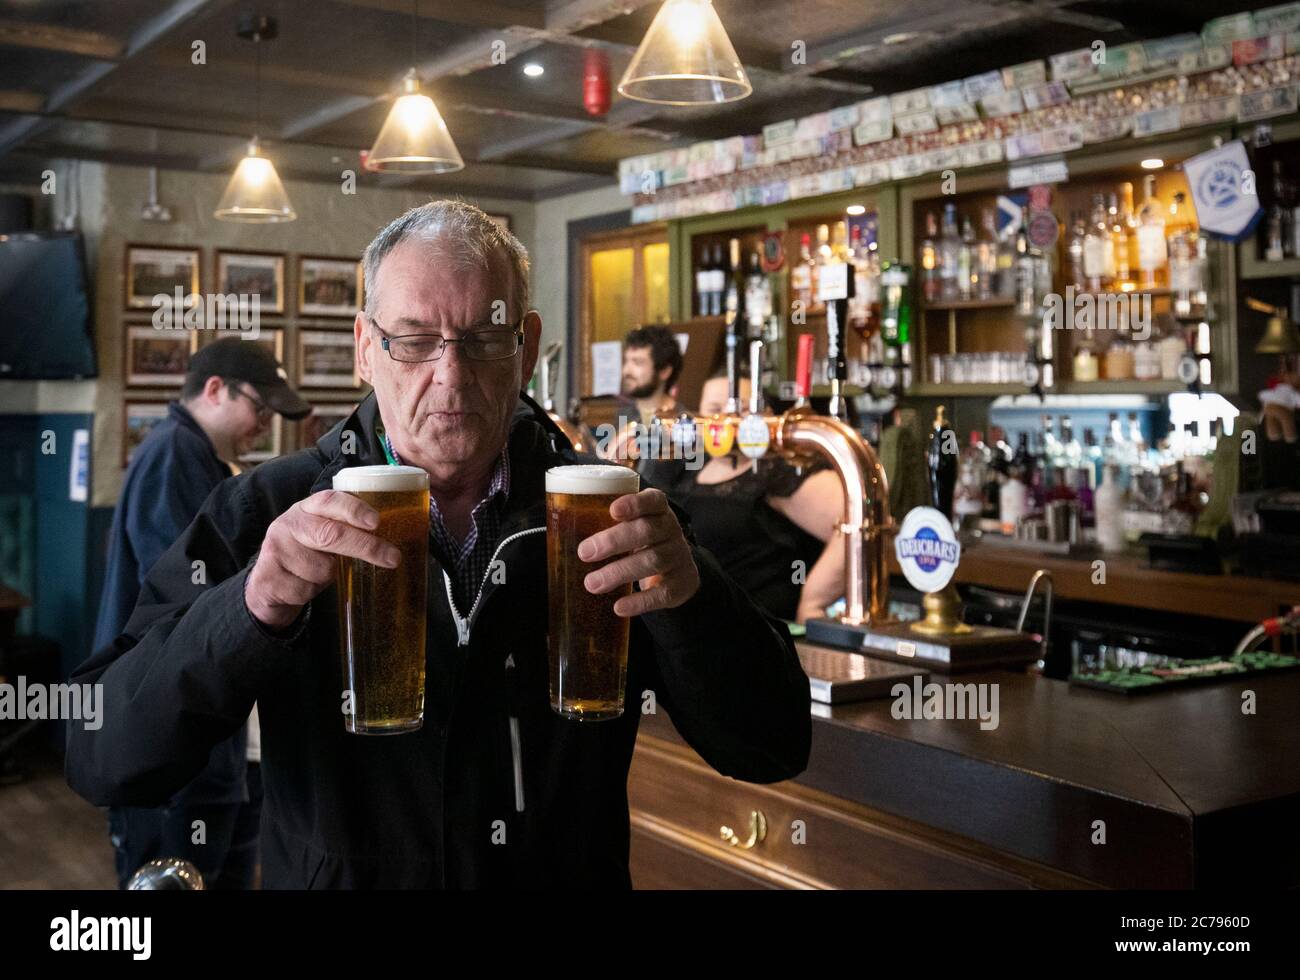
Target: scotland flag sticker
927	549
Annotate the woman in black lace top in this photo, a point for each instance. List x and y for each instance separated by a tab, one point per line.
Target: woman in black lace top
771	528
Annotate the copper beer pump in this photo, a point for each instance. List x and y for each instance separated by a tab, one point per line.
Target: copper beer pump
800	435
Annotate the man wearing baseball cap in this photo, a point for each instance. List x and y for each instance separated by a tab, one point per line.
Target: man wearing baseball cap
232	390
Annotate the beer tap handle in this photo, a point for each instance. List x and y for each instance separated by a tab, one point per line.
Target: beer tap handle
756	376
803	371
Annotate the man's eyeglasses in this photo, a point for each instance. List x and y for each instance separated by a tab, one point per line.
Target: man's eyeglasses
264	411
477	345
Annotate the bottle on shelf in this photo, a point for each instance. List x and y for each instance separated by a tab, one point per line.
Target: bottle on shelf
758	297
1006	266
941	463
1118	364
1026	277
1013	493
703	284
718	277
1153	251
1108	510
997	466
895	303
1093	457
735	282
967	268
1074	250
1096	247
821	258
1172	349
801	275
930	279
986	256
1086	365
968	504
1119	248
1280	231
864	307
1146	359
949	255
1136	440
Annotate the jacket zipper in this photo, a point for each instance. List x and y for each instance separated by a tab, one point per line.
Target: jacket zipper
516	746
466	624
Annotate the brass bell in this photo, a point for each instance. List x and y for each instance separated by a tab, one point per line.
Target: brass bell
1280	336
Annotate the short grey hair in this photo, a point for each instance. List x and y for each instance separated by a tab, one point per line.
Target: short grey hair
463	235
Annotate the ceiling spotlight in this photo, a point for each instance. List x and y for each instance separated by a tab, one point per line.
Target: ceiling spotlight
533	69
1152	163
856	209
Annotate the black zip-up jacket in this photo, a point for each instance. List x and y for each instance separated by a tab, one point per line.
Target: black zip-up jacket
495	790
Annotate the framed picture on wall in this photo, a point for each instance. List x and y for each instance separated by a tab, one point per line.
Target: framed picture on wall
327	359
329	287
323	417
270	338
251	274
152	270
155	357
267	445
138	420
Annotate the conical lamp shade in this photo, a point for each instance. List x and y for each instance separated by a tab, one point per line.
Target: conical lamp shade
414	138
255	193
685	58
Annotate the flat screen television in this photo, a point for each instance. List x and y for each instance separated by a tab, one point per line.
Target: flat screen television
46	330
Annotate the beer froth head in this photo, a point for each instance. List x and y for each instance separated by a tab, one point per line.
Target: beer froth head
446	337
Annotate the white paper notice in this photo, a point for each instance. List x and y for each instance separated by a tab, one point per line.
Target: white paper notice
682	340
606	367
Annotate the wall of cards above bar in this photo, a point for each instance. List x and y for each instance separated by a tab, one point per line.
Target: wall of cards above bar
1241	68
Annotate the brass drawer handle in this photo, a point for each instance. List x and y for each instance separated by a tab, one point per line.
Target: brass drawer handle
757	831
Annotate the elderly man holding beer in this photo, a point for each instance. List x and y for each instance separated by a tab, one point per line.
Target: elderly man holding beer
450	621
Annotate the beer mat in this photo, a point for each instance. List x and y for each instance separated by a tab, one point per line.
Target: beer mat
1180	673
839	676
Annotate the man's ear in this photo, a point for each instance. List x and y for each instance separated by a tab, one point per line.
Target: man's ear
212	389
364	342
532	344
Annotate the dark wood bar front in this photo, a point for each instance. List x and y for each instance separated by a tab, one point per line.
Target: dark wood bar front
1186	789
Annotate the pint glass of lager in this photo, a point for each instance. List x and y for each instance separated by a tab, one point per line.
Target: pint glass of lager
382	610
588	643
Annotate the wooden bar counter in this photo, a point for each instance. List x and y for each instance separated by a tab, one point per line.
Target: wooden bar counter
1184	788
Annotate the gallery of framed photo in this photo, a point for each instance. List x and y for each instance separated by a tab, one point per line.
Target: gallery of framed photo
157	358
327	359
267	445
138	420
329	287
151	270
323	417
258	274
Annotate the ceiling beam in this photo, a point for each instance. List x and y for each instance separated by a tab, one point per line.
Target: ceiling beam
66	40
145	37
479	13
